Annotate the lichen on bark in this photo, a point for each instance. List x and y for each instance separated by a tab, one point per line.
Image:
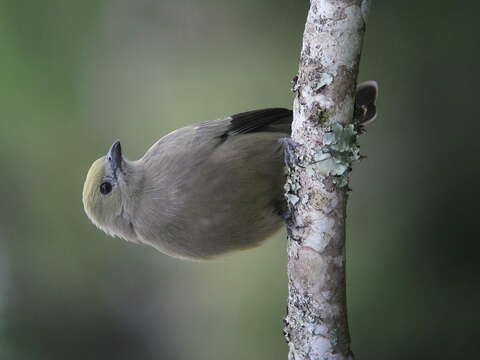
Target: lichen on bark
316	324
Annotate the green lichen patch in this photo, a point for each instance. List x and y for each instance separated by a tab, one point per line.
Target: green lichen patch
292	199
340	150
328	165
341	138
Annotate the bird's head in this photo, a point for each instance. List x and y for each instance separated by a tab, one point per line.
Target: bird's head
105	193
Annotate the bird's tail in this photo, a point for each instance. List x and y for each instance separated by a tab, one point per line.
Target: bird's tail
365	108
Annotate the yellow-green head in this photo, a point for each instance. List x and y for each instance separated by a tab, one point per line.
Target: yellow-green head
102	192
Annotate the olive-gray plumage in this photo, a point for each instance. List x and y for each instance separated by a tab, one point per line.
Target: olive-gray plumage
201	190
204	189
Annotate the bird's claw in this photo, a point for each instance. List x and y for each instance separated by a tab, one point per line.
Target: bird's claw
289	147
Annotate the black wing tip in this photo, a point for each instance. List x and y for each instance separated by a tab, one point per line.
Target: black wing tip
258	120
274	111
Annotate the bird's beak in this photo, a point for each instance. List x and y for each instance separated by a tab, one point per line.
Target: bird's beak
114	157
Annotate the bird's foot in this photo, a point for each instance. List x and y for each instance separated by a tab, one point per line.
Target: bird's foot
289	147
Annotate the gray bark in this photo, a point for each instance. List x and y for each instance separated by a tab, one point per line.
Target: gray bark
320	157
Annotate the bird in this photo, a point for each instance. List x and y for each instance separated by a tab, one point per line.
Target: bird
205	189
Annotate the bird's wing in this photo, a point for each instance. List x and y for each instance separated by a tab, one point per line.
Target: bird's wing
273	119
214	132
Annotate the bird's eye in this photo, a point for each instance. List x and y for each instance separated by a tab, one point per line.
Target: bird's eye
105	187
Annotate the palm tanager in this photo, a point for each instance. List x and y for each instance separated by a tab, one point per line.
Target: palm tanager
204	189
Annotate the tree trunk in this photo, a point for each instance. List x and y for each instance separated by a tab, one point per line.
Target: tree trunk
319	158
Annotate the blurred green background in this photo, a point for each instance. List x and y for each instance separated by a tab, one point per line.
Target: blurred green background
76	75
